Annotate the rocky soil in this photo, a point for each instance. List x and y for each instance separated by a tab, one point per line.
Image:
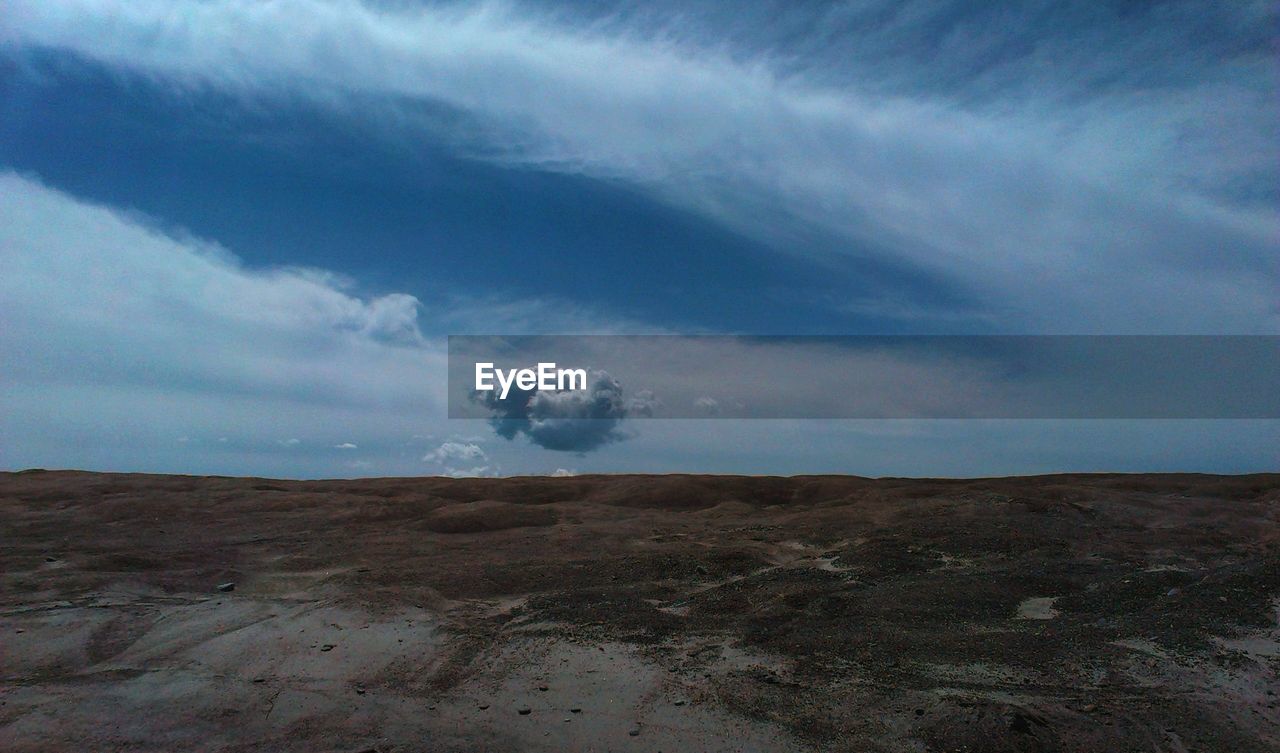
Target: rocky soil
639	613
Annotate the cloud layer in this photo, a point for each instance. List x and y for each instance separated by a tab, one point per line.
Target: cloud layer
127	348
121	339
1121	197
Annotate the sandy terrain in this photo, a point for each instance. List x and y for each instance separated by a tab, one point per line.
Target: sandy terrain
629	613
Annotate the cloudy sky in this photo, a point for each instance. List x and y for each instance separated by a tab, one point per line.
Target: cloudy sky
234	233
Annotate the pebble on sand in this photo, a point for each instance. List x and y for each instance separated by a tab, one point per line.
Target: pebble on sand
225	587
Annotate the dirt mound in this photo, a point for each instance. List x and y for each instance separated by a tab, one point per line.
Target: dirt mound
488	515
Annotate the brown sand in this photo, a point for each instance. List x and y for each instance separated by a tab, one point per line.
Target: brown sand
640	613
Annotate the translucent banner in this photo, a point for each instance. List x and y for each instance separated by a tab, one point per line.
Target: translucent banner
531	378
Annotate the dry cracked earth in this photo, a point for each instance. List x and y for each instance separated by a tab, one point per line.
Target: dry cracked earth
639	613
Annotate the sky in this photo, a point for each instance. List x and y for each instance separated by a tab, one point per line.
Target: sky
235	234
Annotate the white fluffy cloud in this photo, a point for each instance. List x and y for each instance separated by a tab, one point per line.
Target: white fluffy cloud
453	451
1107	214
461	459
119	338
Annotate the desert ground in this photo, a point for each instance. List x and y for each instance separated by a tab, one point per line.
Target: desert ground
639	613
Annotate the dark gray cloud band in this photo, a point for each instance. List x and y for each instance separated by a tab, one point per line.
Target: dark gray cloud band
568	420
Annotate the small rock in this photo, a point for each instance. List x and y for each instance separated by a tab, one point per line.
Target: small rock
680	702
50	559
360	691
635	732
226	587
259	680
483	706
1089	708
327	647
575	711
543	688
919	712
524	711
1172	592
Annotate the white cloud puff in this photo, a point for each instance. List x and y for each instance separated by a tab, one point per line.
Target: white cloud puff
461	459
118	337
451	451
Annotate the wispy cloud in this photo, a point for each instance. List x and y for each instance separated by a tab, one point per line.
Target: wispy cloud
451	451
1114	207
119	332
461	459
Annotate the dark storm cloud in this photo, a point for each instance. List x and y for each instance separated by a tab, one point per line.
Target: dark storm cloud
567	421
